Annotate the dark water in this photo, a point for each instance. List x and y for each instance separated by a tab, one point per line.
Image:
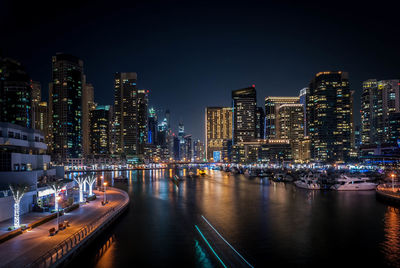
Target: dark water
268	223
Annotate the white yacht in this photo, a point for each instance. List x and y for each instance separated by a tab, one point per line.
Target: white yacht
346	183
309	181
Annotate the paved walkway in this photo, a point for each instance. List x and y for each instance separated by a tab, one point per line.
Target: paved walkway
25	219
27	247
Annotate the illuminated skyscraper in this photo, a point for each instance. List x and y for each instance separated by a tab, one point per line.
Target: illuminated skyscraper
290	122
187	148
380	99
15	94
272	105
66	102
152	127
218	128
260	123
142	108
36	92
87	106
198	151
244	103
329	114
126	107
100	130
303	96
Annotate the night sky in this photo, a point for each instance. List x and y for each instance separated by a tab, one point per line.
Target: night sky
192	54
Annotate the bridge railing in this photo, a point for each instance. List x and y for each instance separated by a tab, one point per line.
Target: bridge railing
62	249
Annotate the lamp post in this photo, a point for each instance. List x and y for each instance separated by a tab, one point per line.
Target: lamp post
393	182
105	198
58	199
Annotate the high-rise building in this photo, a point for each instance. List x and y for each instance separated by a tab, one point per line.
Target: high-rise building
130	109
329	117
176	148
100	130
291	127
152	127
36	91
260	123
15	94
244	103
272	105
394	129
198	151
142	106
218	128
181	137
37	121
304	93
187	148
42	119
66	106
379	100
87	106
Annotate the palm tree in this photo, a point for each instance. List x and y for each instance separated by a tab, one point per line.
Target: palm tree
56	185
80	180
18	191
91	179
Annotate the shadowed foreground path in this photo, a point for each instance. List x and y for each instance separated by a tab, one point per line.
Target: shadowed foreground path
22	250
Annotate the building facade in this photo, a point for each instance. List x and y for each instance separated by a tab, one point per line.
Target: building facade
15	93
130	115
380	100
329	111
218	130
100	126
290	122
272	105
66	107
244	103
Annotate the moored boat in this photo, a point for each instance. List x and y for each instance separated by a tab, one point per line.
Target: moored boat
309	181
347	183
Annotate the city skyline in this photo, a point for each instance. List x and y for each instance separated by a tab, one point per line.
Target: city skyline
172	133
267	40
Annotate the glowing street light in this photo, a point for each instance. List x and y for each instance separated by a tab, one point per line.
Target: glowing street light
58	225
105	198
393	181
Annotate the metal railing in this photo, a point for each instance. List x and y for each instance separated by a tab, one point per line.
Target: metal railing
52	256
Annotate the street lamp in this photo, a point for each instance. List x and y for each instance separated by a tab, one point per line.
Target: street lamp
393	181
105	198
58	199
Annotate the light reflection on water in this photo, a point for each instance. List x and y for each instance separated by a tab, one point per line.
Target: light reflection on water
270	223
391	244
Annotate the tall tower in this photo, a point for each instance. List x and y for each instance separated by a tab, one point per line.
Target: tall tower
244	102
218	131
272	106
15	93
87	106
66	107
291	127
329	112
380	99
142	106
125	109
100	130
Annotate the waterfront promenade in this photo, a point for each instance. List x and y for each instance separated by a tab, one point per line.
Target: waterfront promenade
24	249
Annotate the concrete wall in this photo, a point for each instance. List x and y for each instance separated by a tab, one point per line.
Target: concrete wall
37	161
28	177
7	206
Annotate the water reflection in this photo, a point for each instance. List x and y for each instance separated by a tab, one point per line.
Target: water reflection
391	245
268	222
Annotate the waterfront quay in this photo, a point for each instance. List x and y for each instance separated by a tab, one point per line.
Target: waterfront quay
36	248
